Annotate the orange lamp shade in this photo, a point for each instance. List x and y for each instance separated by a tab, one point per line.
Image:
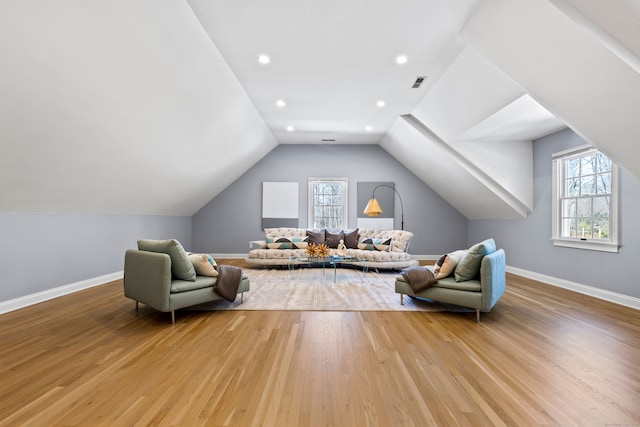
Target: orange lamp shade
373	208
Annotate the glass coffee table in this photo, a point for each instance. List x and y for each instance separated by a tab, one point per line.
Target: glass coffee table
331	261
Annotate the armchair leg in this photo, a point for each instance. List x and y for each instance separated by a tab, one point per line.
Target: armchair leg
136	305
401	299
241	297
478	315
173	317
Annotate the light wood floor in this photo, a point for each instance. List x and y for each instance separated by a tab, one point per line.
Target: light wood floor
543	356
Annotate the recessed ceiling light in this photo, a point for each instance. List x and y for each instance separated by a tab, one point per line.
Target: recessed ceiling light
290	128
380	103
368	128
280	103
402	59
264	59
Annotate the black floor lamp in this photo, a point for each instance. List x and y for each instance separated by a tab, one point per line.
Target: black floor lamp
373	207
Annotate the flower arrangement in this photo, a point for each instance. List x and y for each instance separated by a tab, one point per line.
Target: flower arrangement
317	251
322	251
311	250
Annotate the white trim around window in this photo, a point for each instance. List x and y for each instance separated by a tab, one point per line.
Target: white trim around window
336	215
561	178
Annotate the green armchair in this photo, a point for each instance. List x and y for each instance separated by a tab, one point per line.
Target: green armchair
148	279
481	293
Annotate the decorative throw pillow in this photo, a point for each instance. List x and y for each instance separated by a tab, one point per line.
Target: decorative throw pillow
469	266
438	264
449	263
202	265
181	267
369	244
316	237
351	239
300	243
287	243
279	243
333	239
211	260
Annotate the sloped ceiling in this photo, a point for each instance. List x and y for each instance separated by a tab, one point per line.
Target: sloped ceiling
476	194
155	107
569	67
118	107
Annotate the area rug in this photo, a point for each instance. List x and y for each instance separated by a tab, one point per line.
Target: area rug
314	289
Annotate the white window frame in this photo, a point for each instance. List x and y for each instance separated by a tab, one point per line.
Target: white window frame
345	200
610	245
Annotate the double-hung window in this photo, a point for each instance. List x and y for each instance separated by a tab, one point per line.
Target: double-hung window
585	200
328	203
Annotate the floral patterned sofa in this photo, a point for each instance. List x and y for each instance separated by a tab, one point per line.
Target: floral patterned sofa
387	249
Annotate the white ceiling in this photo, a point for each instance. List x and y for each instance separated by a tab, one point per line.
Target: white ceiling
332	60
118	107
112	107
617	25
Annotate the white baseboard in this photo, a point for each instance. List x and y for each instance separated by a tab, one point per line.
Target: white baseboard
578	287
27	300
426	257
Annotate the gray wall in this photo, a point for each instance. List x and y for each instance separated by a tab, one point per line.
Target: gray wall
233	218
528	242
44	251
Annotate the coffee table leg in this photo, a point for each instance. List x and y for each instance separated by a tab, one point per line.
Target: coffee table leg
292	267
365	266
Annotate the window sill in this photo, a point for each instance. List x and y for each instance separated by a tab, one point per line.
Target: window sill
586	244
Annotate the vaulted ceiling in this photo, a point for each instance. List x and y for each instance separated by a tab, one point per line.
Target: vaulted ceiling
116	107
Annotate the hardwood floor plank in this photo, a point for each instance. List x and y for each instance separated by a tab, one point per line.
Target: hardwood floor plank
544	356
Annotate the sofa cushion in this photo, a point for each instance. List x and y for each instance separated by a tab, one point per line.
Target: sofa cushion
201	282
288	242
351	239
316	237
370	244
467	285
469	266
332	239
181	267
446	265
203	264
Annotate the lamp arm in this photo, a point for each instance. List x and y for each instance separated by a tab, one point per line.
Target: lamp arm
401	204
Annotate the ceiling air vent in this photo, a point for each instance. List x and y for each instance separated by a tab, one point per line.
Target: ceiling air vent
328	140
418	81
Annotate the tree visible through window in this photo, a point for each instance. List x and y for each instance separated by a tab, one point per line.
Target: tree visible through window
585	199
327	203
